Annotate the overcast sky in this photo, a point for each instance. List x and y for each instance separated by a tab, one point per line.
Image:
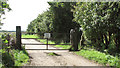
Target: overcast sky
23	12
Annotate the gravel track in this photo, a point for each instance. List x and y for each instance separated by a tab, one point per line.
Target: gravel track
64	58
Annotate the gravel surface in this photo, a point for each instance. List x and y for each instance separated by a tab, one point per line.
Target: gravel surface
64	57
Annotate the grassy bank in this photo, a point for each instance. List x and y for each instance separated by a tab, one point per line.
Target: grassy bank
90	54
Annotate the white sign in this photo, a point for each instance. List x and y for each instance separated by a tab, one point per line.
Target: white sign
47	35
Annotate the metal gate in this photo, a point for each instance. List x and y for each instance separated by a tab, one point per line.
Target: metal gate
42	44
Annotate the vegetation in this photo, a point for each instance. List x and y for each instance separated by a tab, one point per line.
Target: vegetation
101	24
99	57
3	6
52	54
10	55
29	36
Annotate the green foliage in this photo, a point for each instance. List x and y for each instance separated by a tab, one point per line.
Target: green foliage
7	58
20	57
12	57
63	46
52	54
62	19
3	6
101	23
42	24
29	36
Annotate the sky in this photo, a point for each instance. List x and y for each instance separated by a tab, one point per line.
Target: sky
23	12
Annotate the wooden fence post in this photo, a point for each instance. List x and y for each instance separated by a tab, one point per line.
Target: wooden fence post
18	37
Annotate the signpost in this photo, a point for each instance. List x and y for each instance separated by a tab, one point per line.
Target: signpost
47	36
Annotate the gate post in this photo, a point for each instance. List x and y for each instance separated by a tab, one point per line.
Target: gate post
74	39
18	37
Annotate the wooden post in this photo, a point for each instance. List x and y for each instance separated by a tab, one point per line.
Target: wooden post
71	39
76	39
18	37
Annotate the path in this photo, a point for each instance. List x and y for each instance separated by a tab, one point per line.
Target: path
65	58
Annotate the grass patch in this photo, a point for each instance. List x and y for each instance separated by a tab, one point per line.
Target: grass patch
52	54
99	57
63	46
30	36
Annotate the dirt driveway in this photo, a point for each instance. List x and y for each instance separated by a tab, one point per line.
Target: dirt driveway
64	57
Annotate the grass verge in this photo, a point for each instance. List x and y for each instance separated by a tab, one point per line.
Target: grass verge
99	57
14	58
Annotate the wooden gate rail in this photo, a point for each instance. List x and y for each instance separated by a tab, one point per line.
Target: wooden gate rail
46	49
33	38
41	38
39	33
43	44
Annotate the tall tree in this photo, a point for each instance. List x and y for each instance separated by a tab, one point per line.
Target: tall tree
42	24
62	19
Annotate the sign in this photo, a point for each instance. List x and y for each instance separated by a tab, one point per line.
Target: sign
47	35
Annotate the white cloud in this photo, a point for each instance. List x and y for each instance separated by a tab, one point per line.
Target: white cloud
23	12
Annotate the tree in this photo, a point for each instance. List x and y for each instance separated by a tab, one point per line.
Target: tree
101	23
3	6
62	19
42	24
